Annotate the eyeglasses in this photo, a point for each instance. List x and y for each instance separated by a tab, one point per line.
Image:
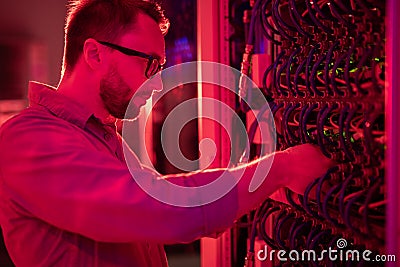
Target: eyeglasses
153	65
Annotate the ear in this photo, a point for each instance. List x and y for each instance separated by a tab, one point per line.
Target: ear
93	53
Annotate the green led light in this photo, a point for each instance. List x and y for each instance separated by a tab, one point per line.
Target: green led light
354	70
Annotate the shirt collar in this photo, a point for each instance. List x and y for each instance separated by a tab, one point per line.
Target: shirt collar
60	105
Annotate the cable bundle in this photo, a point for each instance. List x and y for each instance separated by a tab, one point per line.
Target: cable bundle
326	87
295	231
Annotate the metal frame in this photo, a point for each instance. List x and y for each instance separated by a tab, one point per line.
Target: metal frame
213	45
392	129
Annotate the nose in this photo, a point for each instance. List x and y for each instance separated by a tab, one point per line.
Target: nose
156	82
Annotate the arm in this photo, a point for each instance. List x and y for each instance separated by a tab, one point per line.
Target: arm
65	182
294	168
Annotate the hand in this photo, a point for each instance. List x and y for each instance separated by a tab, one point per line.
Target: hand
306	163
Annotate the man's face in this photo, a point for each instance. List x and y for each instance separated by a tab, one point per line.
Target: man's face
126	74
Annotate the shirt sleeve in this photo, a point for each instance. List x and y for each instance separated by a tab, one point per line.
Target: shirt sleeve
54	175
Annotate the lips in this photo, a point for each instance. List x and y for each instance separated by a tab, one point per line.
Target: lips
144	94
142	99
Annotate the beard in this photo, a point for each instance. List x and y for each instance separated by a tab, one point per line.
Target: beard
115	94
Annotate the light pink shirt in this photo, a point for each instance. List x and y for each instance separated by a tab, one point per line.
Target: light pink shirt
67	197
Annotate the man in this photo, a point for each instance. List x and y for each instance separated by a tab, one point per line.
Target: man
67	197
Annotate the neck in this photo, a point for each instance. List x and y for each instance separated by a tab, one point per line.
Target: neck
83	88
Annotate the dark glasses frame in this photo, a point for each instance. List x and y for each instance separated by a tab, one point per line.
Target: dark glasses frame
153	64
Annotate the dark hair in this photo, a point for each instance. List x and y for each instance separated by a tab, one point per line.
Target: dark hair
104	20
